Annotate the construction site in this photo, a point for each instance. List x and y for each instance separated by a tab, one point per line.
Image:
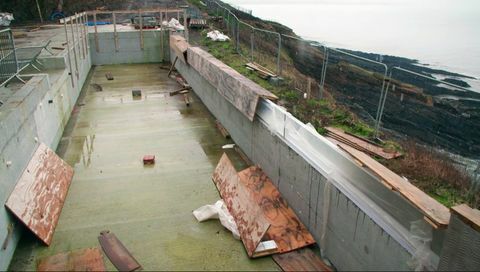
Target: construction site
131	141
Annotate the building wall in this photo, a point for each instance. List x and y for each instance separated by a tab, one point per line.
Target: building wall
129	47
349	236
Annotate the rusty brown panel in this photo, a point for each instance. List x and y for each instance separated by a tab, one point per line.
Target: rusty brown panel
37	199
117	252
90	259
179	46
233	86
286	229
300	260
250	219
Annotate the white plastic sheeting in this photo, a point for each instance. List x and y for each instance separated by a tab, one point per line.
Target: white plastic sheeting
5	18
173	24
216	35
218	211
353	181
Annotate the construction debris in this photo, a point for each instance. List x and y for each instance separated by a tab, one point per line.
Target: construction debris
136	93
261	71
197	23
57	48
336	136
186	98
37	199
250	220
90	259
184	90
300	260
255	203
96	87
148	159
435	213
109	76
117	253
173	24
216	35
222	129
218	211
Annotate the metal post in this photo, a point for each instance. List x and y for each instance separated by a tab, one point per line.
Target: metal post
85	30
74	47
96	31
77	29
278	53
185	24
377	125
252	37
141	29
115	34
68	51
161	19
238	36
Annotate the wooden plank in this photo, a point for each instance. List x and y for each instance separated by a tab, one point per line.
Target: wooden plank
300	260
249	217
286	228
468	215
117	252
435	211
90	259
109	76
366	145
181	91
240	91
37	199
179	46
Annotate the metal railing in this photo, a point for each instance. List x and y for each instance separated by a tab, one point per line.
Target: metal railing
8	57
247	49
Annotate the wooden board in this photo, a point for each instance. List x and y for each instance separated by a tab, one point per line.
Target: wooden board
109	76
240	91
432	209
179	46
468	215
249	217
90	259
361	144
37	199
286	229
300	260
117	252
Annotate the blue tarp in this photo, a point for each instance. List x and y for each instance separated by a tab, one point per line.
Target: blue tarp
90	23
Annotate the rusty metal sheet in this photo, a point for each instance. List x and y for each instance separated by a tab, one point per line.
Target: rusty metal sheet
300	260
179	46
117	252
37	199
286	229
250	219
90	259
233	86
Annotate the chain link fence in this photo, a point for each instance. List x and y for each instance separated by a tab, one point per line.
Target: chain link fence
8	57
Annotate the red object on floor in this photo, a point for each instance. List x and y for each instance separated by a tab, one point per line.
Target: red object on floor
149	159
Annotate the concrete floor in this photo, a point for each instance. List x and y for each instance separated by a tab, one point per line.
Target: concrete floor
148	208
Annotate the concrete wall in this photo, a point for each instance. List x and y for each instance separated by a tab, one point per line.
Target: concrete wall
38	112
351	237
129	47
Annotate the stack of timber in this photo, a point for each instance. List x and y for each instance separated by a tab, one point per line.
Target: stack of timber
198	23
337	136
434	212
260	70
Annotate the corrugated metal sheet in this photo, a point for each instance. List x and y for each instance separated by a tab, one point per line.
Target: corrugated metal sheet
38	197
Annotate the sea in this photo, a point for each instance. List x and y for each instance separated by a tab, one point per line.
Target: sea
442	34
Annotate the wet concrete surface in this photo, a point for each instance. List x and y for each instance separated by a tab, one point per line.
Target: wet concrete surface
149	208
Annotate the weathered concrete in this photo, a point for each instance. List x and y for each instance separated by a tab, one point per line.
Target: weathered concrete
149	208
129	49
37	112
351	239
